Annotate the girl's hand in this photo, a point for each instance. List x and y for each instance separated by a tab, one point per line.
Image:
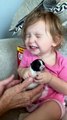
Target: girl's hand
24	73
27	73
43	77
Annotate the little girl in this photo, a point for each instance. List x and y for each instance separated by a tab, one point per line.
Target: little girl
42	33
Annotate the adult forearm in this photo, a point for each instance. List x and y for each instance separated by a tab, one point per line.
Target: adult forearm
3	107
5	102
58	84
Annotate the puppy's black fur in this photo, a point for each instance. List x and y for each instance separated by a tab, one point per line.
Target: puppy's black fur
38	65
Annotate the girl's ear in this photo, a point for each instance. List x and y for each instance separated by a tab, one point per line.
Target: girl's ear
57	41
54	44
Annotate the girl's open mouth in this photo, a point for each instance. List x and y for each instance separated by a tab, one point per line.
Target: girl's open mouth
33	47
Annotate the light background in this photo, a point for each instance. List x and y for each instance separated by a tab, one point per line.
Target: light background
7	11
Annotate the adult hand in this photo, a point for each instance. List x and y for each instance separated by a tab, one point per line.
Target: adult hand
16	96
9	82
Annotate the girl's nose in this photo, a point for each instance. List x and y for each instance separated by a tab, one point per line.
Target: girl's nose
32	39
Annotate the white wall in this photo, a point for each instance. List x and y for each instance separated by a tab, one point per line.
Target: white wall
7	11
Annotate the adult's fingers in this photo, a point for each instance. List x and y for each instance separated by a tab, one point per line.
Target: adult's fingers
4	83
36	97
22	86
8	80
12	83
35	93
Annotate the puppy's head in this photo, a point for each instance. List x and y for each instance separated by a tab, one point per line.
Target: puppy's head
38	65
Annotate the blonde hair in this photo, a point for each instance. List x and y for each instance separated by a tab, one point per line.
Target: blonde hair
51	20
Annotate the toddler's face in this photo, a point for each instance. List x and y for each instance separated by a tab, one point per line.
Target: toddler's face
38	39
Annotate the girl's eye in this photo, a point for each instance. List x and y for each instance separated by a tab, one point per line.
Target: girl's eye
37	36
28	36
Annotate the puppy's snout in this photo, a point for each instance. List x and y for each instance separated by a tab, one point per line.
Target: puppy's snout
42	68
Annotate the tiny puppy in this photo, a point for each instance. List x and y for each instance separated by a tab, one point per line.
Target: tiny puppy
36	66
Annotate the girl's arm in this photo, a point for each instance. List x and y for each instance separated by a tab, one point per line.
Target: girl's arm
21	71
24	72
56	83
